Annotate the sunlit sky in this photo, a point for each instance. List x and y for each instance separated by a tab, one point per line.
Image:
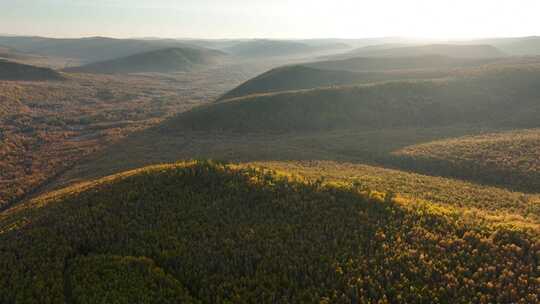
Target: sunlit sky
445	19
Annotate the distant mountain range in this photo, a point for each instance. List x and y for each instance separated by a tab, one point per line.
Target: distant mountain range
364	70
373	64
89	50
166	60
277	48
399	50
95	49
521	46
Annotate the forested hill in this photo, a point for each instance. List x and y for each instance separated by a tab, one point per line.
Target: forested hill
206	233
166	60
505	97
299	77
16	71
364	70
91	49
296	77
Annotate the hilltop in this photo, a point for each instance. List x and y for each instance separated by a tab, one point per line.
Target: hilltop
16	71
362	70
293	78
166	60
202	232
521	46
301	77
507	94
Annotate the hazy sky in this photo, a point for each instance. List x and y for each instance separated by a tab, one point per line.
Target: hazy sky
272	19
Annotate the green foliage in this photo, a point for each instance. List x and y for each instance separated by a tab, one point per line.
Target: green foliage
499	204
233	235
510	159
122	280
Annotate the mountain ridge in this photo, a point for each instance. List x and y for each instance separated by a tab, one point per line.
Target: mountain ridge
164	60
17	71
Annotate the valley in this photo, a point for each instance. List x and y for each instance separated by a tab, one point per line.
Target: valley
47	127
269	171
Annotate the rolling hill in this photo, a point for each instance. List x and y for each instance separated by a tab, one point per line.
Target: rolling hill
91	49
279	48
362	71
300	77
166	60
505	158
372	123
16	71
14	55
504	97
422	62
450	50
521	46
202	232
8	53
294	78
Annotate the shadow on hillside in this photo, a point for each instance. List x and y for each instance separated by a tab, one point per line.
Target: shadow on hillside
155	146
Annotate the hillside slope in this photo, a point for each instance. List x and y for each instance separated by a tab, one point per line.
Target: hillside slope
366	70
422	62
16	71
206	233
498	97
506	158
167	60
520	46
9	53
295	78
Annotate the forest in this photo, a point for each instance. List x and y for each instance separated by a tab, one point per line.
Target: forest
208	232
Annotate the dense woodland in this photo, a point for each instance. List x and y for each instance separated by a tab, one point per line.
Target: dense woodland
508	159
508	94
219	234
